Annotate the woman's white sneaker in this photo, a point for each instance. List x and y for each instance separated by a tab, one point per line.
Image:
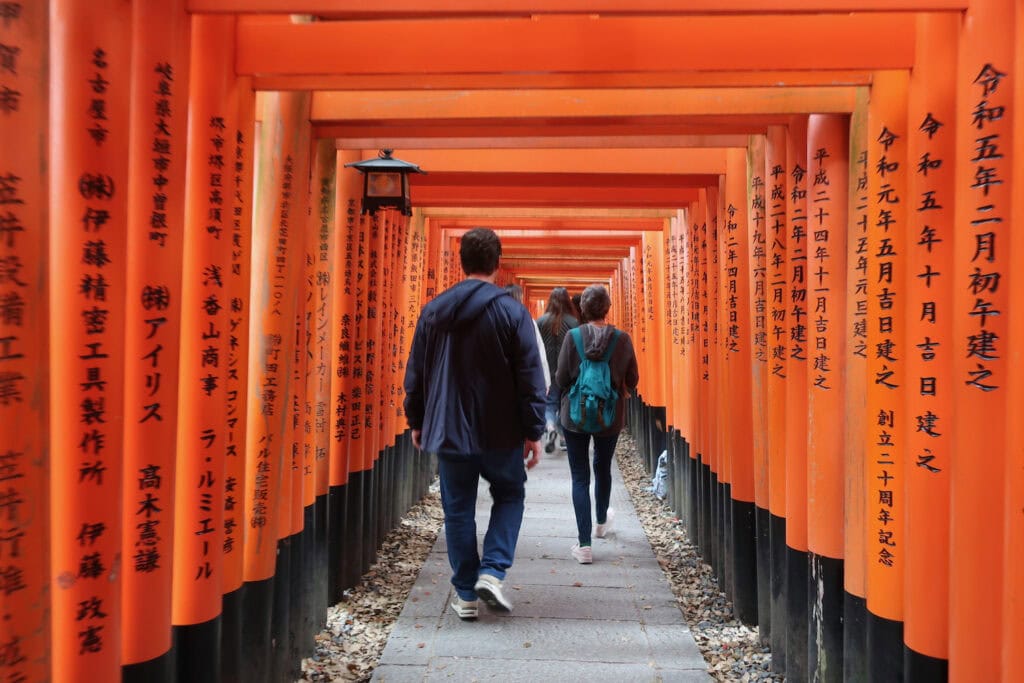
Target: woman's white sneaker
583	555
601	530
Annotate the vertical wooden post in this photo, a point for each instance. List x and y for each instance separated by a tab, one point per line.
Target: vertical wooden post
1013	538
275	253
236	379
318	411
855	494
156	207
202	437
796	399
886	414
738	358
776	236
982	271
827	173
341	574
90	57
929	284
24	386
757	296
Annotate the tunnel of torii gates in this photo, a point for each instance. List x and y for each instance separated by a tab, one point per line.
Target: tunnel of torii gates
802	209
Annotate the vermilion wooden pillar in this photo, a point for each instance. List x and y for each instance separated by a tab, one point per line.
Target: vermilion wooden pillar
827	172
24	379
90	57
984	195
886	413
325	269
929	343
202	438
855	493
156	207
275	253
236	378
758	325
1013	539
776	237
738	358
796	397
342	535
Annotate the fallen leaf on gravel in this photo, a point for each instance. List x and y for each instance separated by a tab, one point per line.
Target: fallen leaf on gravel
578	584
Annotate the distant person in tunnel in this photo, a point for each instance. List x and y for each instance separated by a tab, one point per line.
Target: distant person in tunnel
576	308
474	395
596	416
516	293
554	324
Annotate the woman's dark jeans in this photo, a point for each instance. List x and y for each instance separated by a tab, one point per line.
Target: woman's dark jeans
578	445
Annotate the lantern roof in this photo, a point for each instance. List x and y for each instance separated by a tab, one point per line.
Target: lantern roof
384	162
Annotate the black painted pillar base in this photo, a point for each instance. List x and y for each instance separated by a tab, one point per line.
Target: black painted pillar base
355	529
231	637
257	610
744	557
321	561
692	495
728	561
762	524
715	552
704	509
855	638
157	670
336	547
825	631
920	668
198	651
885	649
280	662
797	616
777	585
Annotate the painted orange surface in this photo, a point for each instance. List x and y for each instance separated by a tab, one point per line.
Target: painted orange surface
828	170
346	209
886	423
237	374
575	44
90	51
160	78
592	104
983	238
202	406
777	236
797	345
930	342
24	390
448	8
737	330
855	494
274	265
758	322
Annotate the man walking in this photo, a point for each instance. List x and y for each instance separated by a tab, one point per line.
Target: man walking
474	394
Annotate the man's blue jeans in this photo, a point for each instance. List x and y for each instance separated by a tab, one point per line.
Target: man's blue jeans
505	471
578	445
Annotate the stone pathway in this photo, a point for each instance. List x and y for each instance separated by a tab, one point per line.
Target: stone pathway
614	620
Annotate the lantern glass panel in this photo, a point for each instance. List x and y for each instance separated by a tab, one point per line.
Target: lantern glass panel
383	184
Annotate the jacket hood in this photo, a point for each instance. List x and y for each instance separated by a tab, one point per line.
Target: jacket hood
596	340
463	303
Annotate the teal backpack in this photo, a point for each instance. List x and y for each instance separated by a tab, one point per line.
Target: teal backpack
593	399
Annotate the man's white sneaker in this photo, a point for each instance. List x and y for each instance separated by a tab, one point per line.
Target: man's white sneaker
466	609
583	555
488	589
601	530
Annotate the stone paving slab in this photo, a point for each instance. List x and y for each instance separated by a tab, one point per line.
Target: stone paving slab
614	620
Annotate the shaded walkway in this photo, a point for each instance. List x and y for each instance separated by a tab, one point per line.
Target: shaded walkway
613	620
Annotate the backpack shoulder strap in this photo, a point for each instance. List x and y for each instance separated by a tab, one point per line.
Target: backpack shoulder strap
577	338
611	346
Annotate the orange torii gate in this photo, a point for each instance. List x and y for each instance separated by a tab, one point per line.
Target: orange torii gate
801	209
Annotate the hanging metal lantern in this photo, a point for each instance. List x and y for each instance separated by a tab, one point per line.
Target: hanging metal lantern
386	182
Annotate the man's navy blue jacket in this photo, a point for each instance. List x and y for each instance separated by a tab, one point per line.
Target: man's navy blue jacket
474	380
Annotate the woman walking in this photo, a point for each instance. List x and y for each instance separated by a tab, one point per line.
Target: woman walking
554	325
596	338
